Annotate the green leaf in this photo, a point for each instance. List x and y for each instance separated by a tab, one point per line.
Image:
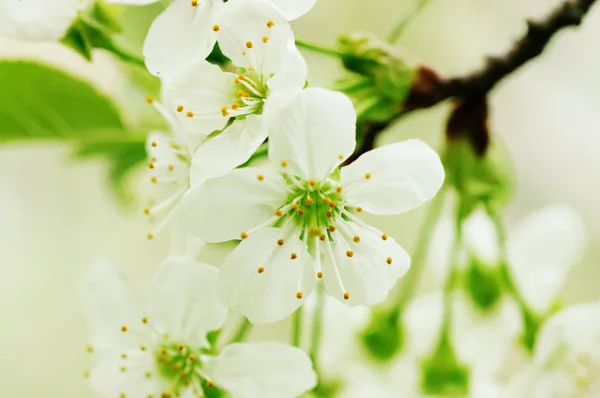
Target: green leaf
39	102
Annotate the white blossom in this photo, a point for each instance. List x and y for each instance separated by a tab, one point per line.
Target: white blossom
158	347
299	223
38	20
566	362
187	29
270	72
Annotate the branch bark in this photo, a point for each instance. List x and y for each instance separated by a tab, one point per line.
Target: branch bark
430	89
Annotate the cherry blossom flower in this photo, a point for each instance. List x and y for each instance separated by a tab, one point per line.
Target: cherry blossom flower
158	346
300	223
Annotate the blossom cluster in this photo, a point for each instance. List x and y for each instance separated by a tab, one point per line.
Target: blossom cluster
297	221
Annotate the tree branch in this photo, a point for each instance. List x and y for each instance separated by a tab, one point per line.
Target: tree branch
430	89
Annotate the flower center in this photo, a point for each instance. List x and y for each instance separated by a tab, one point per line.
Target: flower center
250	93
182	366
584	373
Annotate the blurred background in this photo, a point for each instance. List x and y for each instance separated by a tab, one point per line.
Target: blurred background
58	215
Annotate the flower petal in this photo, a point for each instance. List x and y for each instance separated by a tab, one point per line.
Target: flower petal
221	208
393	178
266	370
184	300
244	25
38	20
180	34
293	9
232	147
116	377
313	133
367	269
202	89
262	279
111	303
542	250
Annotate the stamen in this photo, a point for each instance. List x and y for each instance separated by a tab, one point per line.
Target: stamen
331	228
270	24
368	176
293	256
319	275
179	108
389	260
123	328
384	236
216	28
243	235
358	209
249	44
356	239
190	114
261	270
149	99
260	177
283	162
346	296
265	39
194	3
349	253
280	242
299	295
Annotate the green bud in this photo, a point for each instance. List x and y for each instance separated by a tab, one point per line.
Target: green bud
483	285
442	374
383	339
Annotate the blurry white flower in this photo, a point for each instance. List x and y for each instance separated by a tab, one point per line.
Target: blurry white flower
567	357
38	20
271	72
299	223
187	29
540	251
158	347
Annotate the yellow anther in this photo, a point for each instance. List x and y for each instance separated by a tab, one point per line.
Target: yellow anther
356	239
283	163
338	189
293	256
123	328
249	44
301	212
346	296
261	270
295	206
322	237
326	199
122	395
123	369
310	201
243	235
242	93
154	179
270	24
150	236
299	295
190	114
389	260
340	156
154	143
367	176
210	384
145	320
384	236
331	228
328	214
244	53
142	348
358	209
192	358
163	351
349	253
235	107
224	111
90	349
280	242
265	39
278	213
86	375
194	3
260	177
179	108
148	375
312	183
149	99
181	347
251	69
151	165
319	274
332	204
171	167
216	28
237	80
124	356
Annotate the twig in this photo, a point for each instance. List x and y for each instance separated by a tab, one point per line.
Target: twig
430	89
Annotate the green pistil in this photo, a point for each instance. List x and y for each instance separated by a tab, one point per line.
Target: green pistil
317	208
179	364
256	81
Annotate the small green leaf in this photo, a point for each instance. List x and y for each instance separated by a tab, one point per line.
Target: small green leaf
40	102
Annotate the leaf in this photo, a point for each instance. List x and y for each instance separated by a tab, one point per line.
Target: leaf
39	102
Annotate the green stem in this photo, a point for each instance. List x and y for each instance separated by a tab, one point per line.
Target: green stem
317	328
452	273
125	56
321	49
297	331
244	328
407	18
411	281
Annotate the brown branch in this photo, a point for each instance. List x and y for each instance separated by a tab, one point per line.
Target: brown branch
430	89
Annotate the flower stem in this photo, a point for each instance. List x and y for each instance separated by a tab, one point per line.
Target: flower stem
124	55
317	328
407	18
297	331
451	278
320	49
244	328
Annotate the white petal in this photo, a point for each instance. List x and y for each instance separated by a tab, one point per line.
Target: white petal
184	300
438	255
394	178
229	149
423	321
39	19
132	2
481	239
182	33
107	378
293	9
261	279
542	250
221	208
203	89
266	370
243	28
313	134
110	303
370	272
